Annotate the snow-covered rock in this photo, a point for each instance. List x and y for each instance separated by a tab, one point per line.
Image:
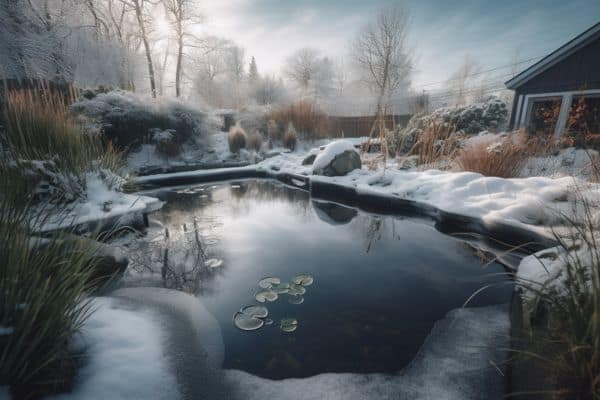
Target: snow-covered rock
338	158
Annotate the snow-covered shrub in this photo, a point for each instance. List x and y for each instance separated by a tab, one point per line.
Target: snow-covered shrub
255	140
237	139
290	137
470	119
128	120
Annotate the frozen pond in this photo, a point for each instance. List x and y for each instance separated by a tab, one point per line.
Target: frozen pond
379	282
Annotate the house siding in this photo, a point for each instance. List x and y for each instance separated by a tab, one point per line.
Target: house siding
579	71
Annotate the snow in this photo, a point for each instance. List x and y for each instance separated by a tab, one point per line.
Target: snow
568	162
126	359
457	361
102	202
331	151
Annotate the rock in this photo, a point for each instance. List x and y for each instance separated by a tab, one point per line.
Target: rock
337	159
309	159
334	214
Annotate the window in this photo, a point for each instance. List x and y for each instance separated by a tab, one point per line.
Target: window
584	115
543	115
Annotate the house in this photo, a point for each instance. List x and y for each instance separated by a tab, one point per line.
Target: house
561	92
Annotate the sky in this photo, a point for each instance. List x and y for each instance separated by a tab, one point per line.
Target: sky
442	32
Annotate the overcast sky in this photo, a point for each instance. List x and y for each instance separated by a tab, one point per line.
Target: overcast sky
442	32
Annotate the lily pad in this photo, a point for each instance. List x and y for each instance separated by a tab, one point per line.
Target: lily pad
288	324
213	263
268	321
281	288
266	295
246	322
303	280
255	311
296	290
268	282
297	299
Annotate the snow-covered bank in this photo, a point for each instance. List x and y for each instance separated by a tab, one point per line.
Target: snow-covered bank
101	203
125	356
457	361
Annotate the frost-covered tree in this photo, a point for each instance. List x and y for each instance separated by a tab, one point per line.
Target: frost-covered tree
253	71
381	54
310	73
269	90
463	80
183	15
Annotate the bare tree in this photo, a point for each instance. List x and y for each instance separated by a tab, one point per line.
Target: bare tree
140	9
183	14
252	71
301	67
381	54
461	81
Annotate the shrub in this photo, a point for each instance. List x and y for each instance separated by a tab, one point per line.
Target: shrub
237	139
128	120
289	139
48	148
166	143
308	119
504	159
255	140
43	305
274	132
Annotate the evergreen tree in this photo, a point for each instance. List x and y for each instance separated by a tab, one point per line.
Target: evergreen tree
253	72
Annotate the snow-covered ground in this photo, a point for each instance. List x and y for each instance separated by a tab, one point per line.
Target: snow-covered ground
101	202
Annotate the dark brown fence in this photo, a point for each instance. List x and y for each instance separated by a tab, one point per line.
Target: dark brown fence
361	126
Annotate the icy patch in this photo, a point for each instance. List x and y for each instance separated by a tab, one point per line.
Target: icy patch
459	360
126	360
331	151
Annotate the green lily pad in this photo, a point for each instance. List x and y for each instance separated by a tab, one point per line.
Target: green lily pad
288	324
266	295
303	280
256	311
296	299
268	282
246	322
296	290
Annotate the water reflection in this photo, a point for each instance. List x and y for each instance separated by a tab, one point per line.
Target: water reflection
380	282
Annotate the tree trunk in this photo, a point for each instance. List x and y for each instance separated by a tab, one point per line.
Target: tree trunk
140	19
178	69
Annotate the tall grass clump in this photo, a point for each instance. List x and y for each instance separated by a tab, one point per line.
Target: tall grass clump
435	146
255	140
237	139
43	287
45	144
565	309
504	159
290	137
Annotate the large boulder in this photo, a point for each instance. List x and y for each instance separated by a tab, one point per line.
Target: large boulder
337	159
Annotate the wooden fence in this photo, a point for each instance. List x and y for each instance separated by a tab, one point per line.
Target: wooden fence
361	126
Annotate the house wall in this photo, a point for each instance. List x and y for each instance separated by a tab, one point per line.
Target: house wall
578	72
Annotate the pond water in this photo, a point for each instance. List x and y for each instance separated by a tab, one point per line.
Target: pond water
379	282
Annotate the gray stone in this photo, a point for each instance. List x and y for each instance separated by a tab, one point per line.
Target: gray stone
341	164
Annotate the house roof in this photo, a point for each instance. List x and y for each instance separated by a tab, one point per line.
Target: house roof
555	57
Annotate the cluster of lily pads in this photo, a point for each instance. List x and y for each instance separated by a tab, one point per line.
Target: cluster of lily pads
250	318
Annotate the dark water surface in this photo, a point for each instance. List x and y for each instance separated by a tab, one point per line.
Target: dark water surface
380	282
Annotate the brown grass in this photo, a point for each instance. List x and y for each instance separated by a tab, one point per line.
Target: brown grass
504	160
435	145
308	119
237	139
255	140
290	137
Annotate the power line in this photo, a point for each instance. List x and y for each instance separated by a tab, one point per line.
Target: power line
484	71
